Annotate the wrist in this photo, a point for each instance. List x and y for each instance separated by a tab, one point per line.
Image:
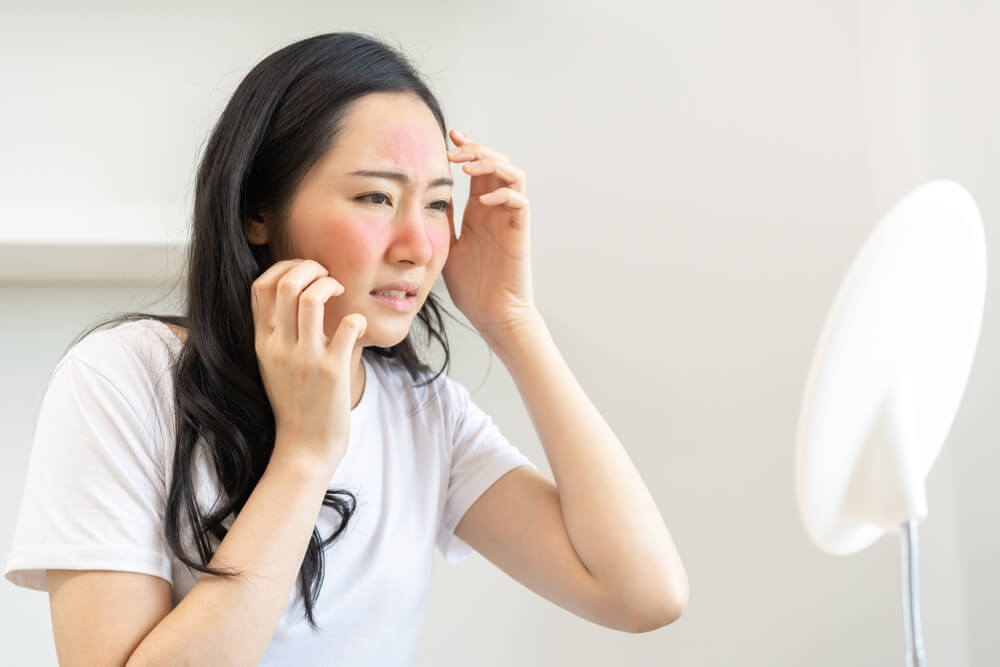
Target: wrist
292	457
517	337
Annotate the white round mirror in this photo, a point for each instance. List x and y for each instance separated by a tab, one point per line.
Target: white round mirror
888	375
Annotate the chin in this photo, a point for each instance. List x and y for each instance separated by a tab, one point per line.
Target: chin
384	336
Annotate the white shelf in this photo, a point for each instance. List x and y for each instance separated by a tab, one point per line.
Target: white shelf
110	243
27	263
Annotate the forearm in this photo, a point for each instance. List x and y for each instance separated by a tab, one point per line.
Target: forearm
609	513
230	620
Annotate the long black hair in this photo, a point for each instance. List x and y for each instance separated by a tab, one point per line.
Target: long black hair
284	116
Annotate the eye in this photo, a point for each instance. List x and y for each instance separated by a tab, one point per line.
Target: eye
441	205
373	198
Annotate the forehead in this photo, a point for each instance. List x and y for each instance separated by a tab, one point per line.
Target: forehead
397	129
410	146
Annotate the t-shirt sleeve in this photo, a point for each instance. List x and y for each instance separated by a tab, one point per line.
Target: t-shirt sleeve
480	455
94	494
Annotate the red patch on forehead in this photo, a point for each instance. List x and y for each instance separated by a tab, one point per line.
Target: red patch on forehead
414	148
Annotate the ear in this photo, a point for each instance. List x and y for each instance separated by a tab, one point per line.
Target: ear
257	232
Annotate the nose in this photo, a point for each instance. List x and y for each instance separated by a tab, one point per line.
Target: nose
411	242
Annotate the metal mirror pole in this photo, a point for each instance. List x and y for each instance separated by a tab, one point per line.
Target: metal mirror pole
911	595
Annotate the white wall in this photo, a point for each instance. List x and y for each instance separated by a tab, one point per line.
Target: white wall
700	176
957	59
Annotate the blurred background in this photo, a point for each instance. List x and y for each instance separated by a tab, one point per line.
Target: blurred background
700	175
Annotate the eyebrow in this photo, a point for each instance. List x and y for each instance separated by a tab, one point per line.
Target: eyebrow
400	177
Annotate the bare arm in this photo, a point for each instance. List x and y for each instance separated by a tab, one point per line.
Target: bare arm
629	552
118	618
598	518
230	620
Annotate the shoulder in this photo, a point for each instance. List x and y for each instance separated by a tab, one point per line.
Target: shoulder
133	358
142	342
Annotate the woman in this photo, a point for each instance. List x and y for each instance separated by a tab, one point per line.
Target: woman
181	465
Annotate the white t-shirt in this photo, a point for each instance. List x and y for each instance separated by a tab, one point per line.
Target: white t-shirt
100	467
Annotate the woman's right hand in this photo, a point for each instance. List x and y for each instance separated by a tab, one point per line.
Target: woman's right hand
306	374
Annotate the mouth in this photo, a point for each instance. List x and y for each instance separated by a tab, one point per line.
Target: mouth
398	300
393	293
397	289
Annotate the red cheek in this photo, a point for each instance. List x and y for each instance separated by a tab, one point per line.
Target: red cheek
440	241
364	238
352	246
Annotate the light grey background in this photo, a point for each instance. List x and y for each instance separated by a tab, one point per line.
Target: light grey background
701	175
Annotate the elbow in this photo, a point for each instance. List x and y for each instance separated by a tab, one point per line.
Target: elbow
658	619
660	612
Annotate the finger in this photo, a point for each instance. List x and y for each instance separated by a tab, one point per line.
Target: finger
466	148
504	197
262	295
458	137
287	291
350	330
312	311
507	172
475	152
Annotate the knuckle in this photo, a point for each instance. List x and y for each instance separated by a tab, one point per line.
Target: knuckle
287	286
278	268
311	267
311	300
348	322
328	370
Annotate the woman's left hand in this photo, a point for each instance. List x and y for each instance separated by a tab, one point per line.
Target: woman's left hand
488	271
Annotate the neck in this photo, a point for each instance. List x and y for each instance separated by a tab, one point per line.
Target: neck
358	378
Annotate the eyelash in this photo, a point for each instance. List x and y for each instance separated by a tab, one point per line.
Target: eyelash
445	207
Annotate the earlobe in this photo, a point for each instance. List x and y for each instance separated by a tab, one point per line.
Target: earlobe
257	232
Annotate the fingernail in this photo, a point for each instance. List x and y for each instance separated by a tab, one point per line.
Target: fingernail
474	163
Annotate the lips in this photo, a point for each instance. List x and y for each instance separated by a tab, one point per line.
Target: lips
407	287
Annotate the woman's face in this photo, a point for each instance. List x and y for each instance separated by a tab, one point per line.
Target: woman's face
370	230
